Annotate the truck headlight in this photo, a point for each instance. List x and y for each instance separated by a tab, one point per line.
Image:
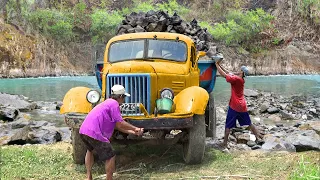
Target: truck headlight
166	93
93	96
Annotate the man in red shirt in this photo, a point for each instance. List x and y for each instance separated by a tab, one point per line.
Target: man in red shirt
237	104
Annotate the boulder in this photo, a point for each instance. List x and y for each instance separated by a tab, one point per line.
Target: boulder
283	106
250	93
243	138
285	115
175	19
304	140
131	30
16	101
276	144
313	112
65	134
152	19
272	110
212	51
315	125
151	27
142	22
274	118
150	13
169	28
19	124
251	143
256	147
39	124
47	135
139	29
8	113
253	111
21	136
58	105
264	107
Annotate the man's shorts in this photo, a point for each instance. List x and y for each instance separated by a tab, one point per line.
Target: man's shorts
104	150
232	116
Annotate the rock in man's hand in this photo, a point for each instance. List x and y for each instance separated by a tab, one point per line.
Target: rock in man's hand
139	131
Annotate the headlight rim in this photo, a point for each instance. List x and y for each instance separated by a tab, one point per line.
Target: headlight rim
169	90
95	91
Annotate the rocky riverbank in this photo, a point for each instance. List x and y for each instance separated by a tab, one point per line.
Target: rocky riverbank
288	123
19	126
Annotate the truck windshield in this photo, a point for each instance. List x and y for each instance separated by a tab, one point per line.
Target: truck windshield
156	49
167	49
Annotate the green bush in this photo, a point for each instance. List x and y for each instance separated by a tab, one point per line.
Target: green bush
139	6
18	9
53	23
104	24
309	9
204	24
173	6
241	27
81	19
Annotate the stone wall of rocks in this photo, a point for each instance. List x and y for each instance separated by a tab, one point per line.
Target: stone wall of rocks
160	21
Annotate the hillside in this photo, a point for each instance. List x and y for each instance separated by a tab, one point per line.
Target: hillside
53	38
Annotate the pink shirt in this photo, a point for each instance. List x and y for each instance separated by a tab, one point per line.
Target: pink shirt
101	120
237	101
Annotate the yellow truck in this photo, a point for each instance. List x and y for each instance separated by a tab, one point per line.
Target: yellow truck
170	92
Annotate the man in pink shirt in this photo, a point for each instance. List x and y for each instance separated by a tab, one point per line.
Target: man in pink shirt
237	104
97	129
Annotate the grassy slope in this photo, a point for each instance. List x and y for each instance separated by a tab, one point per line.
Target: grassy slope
55	162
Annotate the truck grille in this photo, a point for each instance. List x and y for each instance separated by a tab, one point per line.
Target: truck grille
137	85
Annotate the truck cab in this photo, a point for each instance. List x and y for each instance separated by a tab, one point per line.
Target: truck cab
170	91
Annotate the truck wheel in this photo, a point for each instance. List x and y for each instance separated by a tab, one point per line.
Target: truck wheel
79	149
193	149
211	118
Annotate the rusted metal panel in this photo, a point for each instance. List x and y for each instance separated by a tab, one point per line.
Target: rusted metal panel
74	120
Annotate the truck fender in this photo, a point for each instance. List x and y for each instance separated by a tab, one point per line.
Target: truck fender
191	100
75	101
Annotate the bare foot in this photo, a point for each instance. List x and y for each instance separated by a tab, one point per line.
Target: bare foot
223	145
88	178
226	150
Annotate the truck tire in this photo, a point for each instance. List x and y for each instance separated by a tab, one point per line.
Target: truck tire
211	118
79	149
194	147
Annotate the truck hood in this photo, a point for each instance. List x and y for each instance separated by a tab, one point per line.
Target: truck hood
147	67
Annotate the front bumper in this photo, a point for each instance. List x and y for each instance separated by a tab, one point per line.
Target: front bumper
162	123
75	120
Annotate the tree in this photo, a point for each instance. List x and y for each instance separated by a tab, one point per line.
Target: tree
3	9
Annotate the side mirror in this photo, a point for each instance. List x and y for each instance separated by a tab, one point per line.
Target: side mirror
201	54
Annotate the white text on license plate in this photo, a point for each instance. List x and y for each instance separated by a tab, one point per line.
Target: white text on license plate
128	107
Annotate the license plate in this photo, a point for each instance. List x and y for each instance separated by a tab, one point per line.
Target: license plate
129	106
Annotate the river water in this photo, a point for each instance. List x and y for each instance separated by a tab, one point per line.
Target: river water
54	88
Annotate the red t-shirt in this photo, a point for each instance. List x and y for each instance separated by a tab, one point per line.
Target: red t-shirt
237	101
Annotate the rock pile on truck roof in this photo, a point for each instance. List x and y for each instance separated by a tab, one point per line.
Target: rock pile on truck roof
160	21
